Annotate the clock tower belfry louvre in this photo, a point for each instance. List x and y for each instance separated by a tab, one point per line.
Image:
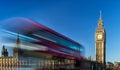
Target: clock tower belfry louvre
100	41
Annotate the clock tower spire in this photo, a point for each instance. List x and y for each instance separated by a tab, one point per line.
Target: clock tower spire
100	15
100	22
100	41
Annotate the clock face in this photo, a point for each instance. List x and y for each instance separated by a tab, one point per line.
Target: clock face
99	36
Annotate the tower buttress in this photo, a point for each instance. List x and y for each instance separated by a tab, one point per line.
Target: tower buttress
4	52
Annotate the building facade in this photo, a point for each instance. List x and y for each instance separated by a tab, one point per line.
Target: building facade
100	42
93	65
37	61
9	62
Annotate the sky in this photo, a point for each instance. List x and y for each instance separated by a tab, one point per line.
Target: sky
76	19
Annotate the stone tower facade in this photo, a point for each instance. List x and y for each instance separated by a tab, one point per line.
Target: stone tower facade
100	41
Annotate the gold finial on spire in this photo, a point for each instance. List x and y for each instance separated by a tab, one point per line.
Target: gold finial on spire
100	22
100	15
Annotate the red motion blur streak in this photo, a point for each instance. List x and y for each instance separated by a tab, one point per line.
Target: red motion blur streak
49	30
33	26
59	50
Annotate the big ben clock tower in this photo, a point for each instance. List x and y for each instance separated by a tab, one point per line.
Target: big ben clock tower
100	41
